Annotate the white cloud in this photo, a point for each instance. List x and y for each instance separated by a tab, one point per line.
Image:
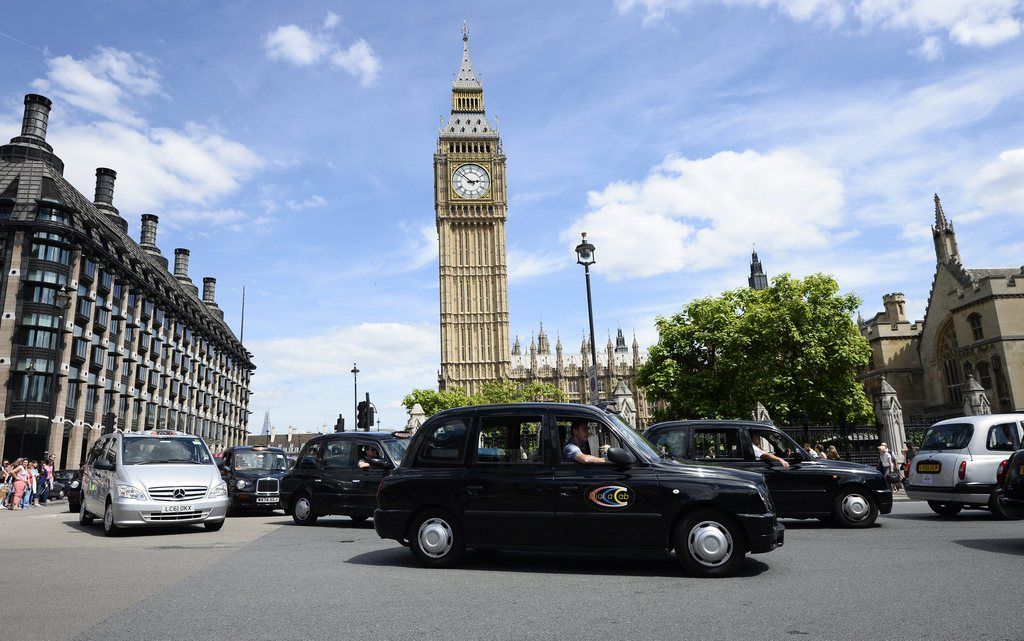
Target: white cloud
303	48
523	265
999	184
103	83
982	23
930	49
359	60
706	213
156	167
312	202
295	45
308	379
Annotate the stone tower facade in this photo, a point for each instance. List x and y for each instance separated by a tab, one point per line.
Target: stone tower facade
471	206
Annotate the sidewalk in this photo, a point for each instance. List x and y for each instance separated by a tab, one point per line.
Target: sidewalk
901	495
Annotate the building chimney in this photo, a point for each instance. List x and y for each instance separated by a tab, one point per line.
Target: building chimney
37	115
148	238
105	187
181	263
209	290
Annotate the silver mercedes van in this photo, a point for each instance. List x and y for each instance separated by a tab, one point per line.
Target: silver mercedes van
157	477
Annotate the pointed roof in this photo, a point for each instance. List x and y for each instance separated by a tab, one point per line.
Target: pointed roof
467	76
941	223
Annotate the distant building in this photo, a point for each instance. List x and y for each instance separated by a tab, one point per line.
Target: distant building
973	328
291	442
134	348
757	280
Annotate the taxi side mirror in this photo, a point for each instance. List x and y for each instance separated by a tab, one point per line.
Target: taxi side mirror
307	463
620	457
378	463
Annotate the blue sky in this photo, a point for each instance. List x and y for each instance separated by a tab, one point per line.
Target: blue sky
289	146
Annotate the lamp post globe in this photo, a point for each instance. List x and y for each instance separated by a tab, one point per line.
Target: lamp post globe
585	252
355	394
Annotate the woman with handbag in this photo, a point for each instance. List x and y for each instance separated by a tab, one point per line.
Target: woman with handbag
887	466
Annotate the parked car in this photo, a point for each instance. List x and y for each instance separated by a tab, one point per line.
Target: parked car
72	480
1010	493
158	477
495	477
959	460
253	475
850	494
339	473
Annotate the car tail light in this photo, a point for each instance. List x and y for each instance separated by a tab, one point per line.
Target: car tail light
1001	472
962	472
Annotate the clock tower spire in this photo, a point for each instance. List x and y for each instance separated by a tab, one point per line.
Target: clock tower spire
471	206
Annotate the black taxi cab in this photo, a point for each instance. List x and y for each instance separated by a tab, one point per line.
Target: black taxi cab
338	473
1010	481
567	478
850	494
253	476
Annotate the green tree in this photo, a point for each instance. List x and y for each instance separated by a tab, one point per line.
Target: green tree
793	347
433	401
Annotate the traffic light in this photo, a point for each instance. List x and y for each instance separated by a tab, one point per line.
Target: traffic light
369	416
362	410
109	421
340	425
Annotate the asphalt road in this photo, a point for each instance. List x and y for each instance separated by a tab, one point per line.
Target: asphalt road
913	576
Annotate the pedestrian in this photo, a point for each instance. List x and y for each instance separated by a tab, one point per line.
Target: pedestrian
832	453
30	491
811	450
21	479
42	496
5	484
910	454
887	466
820	449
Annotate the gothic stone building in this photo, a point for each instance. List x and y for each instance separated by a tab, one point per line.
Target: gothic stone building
95	331
471	208
973	328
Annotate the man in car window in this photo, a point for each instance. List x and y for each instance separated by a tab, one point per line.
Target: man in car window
576	450
760	455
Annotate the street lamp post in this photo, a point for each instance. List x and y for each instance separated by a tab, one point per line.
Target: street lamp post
585	257
30	373
355	394
63	302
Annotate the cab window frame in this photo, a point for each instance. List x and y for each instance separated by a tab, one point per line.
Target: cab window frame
316	444
541	457
422	460
742	444
570	418
327	443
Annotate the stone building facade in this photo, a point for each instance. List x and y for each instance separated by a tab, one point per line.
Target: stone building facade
617	368
471	209
973	331
94	329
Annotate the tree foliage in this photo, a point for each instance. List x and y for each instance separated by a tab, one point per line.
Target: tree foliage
433	401
793	347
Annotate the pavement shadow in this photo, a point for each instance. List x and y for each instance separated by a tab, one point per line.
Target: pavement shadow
815	524
966	515
96	529
1001	546
341	522
550	563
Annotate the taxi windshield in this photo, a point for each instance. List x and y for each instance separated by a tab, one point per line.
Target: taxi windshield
259	460
396	448
637	441
149	450
952	436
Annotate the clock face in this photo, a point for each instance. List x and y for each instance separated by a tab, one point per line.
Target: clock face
471	181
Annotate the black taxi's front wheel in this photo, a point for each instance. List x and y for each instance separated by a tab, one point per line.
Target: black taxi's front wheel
435	539
302	510
709	543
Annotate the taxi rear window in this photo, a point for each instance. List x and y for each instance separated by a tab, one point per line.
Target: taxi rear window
446	443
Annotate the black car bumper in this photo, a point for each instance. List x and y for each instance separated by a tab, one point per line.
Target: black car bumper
883	498
246	501
764	532
391	524
1013	507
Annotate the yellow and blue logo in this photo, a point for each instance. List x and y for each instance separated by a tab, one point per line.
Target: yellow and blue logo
610	496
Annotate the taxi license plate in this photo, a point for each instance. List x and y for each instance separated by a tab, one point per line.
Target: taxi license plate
172	509
266	499
929	467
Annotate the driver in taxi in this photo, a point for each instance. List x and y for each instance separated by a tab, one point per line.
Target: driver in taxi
761	455
578	448
370	452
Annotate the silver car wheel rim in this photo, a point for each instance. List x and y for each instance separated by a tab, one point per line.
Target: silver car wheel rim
856	507
435	538
108	517
710	543
81	509
302	509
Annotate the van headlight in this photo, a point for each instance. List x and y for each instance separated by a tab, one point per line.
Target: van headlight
74	484
220	489
241	483
125	491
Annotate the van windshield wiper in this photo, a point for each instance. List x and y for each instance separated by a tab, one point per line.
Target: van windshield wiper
170	460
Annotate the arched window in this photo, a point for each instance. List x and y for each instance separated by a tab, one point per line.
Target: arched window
974	320
947	347
1002	396
968	369
985	375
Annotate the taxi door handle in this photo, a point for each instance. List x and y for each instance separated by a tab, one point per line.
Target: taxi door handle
568	490
473	490
355	481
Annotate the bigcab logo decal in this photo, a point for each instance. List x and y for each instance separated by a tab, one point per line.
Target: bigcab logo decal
610	497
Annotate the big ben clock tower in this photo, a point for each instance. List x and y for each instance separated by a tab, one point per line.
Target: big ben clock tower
471	204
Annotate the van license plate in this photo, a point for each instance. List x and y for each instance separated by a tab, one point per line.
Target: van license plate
172	509
929	467
266	499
